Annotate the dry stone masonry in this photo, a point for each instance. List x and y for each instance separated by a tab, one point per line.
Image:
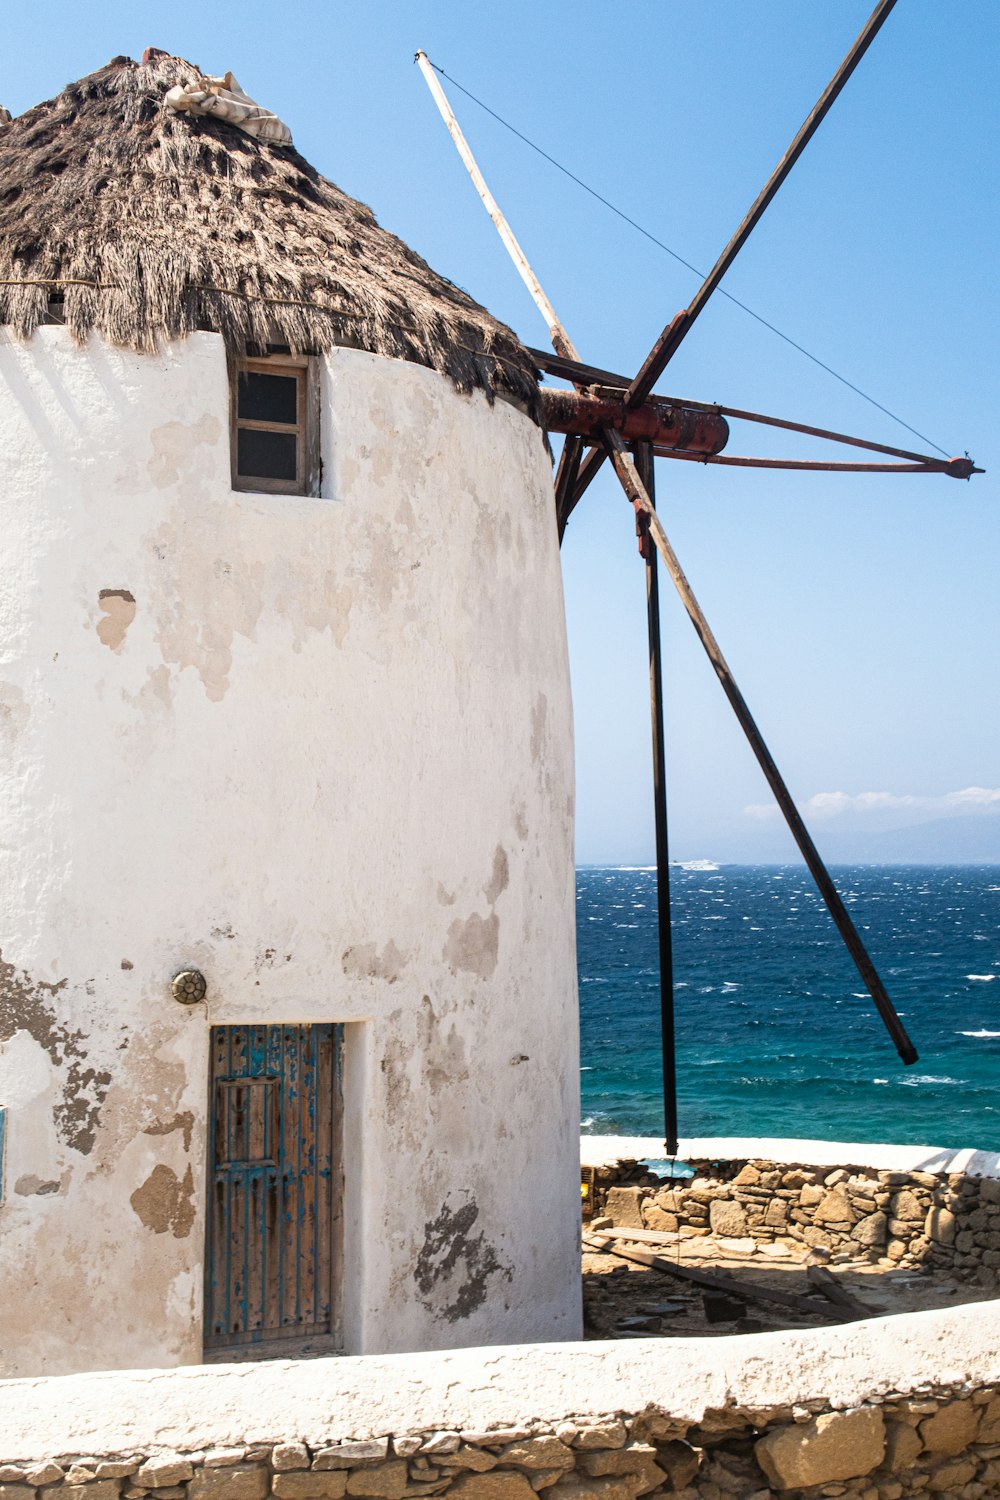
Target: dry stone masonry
946	1222
945	1442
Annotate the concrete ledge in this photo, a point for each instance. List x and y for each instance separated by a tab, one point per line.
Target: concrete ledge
602	1150
475	1389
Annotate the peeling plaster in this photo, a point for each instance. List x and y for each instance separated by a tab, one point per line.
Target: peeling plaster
473	945
118	608
27	1004
364	961
14	713
454	1266
29	1186
500	878
174	447
184	1122
164	1203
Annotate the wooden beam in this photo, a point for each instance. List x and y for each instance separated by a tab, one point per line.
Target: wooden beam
560	338
636	492
716	1280
668	1046
566	477
824	1281
672	336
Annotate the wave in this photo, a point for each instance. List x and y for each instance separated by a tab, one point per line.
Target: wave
913	1083
982	1033
982	978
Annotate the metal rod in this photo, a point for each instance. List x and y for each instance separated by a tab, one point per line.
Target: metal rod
569	468
560	338
644	466
739	461
636	492
602	381
670	339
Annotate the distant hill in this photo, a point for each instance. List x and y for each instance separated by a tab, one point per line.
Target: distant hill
963	840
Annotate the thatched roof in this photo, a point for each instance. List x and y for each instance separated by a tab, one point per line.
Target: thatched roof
150	225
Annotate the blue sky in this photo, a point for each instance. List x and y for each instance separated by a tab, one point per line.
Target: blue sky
860	615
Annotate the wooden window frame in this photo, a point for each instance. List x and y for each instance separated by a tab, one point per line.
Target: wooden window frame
308	467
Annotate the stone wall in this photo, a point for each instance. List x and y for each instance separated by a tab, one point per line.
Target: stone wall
945	1221
946	1443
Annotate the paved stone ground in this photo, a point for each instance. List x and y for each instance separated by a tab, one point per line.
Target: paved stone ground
625	1300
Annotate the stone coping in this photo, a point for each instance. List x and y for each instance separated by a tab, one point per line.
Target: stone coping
473	1390
603	1150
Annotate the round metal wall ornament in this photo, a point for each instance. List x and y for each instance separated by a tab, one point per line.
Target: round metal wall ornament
189	986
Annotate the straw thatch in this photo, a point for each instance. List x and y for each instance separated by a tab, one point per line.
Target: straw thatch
150	225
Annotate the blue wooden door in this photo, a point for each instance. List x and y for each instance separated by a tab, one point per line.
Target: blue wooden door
273	1210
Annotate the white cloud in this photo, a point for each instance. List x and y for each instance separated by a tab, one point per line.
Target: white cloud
823	805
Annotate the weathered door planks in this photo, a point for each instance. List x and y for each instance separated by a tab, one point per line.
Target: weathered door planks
274	1183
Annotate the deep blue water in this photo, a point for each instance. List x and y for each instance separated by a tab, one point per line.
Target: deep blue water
776	1034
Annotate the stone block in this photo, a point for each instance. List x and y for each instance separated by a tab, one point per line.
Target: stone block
838	1445
501	1484
748	1176
634	1458
602	1435
441	1442
810	1195
82	1471
467	1457
610	1487
538	1453
989	1422
286	1457
310	1484
727	1219
776	1214
50	1472
240	1482
111	1468
96	1489
947	1478
834	1208
907	1205
940	1226
624	1205
871	1231
164	1469
385	1481
352	1455
965	1241
680	1461
654	1217
989	1190
495	1439
902	1445
951	1429
543	1479
16	1492
221	1458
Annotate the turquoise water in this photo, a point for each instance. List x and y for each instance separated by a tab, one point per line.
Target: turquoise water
776	1034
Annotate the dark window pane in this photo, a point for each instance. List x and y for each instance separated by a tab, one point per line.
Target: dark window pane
267	398
265	455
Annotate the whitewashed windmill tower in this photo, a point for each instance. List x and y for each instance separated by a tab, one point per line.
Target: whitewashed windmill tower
285	710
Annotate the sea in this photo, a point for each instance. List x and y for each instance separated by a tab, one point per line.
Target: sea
776	1035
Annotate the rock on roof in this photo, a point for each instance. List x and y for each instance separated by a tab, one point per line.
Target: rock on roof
150	225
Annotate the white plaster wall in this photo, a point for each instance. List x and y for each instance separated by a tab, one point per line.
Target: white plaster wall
327	761
337	1400
605	1150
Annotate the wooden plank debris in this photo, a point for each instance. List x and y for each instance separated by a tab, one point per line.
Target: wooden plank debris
716	1280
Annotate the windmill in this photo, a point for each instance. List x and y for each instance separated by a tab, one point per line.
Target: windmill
611	417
